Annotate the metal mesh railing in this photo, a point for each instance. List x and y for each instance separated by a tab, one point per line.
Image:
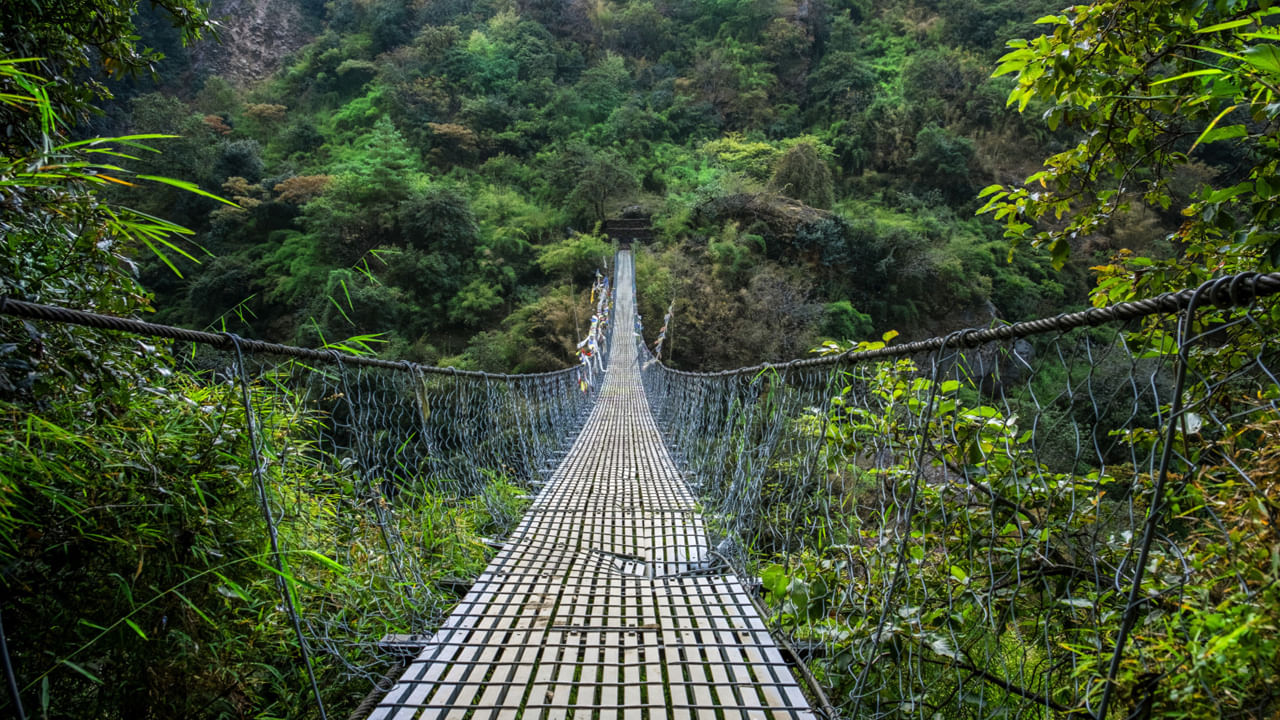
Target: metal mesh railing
418	468
1070	516
378	484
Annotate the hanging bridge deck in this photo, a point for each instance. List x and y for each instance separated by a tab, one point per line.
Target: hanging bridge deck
603	603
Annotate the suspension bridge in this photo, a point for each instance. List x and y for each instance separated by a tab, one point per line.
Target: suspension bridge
1073	515
605	602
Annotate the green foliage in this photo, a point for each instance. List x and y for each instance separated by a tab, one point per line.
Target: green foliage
161	558
1151	88
802	173
576	258
754	159
841	320
474	303
95	33
942	162
417	186
463	141
603	179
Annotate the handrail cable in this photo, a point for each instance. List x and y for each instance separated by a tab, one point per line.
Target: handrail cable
54	313
1226	291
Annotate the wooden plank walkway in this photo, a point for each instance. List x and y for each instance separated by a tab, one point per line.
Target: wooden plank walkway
600	605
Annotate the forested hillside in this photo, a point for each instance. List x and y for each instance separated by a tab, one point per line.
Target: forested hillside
432	173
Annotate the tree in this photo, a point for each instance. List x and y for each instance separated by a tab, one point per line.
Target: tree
237	158
734	78
439	219
755	159
640	29
802	173
941	162
842	84
604	86
1148	88
576	258
69	37
602	179
475	303
938	84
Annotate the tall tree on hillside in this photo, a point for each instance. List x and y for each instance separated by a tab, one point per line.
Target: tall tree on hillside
603	179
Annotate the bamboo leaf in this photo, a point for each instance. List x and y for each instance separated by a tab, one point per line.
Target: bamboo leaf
1185	75
326	561
130	140
194	608
341	312
188	186
347	293
1211	126
1216	51
82	671
136	629
1224	26
160	254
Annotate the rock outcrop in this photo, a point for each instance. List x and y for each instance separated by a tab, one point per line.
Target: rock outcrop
256	36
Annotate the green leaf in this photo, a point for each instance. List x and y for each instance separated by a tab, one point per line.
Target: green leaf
188	186
1225	194
326	561
775	580
194	608
1059	253
1224	133
1265	57
1225	26
1211	126
129	140
798	592
342	312
82	671
1216	51
136	629
1193	73
1161	343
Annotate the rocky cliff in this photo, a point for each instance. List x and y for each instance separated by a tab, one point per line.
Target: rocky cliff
256	36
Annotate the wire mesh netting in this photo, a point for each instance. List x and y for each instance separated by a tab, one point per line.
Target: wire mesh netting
995	531
380	489
382	486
